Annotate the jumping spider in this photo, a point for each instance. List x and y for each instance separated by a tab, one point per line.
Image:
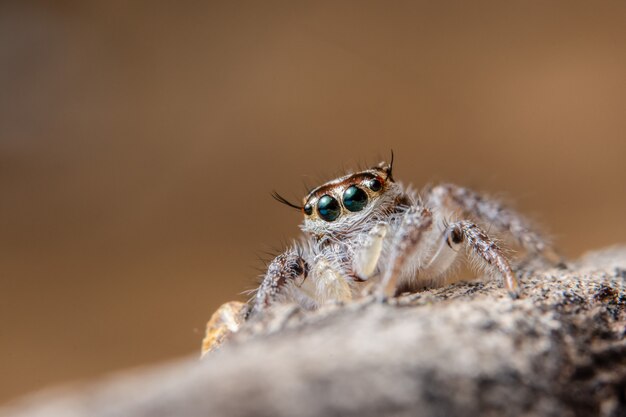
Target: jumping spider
366	230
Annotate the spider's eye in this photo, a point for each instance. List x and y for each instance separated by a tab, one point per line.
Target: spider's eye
308	209
328	208
375	184
354	199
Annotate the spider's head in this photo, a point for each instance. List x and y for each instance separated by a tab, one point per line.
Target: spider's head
340	206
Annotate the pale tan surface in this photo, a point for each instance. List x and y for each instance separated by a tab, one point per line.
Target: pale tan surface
139	144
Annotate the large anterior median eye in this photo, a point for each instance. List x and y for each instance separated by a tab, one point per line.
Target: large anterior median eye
354	198
328	208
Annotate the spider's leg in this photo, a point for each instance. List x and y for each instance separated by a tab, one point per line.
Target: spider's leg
492	214
367	255
487	252
278	284
284	274
406	242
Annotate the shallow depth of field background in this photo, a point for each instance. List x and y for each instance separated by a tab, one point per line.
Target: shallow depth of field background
139	144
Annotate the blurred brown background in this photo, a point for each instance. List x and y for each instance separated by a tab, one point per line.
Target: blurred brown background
139	142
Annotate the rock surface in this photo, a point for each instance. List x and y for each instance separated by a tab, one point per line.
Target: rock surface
463	350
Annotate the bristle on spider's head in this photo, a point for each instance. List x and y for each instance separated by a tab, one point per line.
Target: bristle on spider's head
388	167
284	201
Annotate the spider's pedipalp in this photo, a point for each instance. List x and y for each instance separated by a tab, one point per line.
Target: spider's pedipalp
367	255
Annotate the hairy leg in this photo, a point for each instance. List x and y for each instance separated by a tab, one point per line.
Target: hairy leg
445	254
278	283
486	250
488	212
306	276
285	269
405	243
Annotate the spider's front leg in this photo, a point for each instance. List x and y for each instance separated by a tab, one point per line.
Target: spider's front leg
411	244
283	276
406	243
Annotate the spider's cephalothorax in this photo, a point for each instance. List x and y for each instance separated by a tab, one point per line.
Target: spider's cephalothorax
364	231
